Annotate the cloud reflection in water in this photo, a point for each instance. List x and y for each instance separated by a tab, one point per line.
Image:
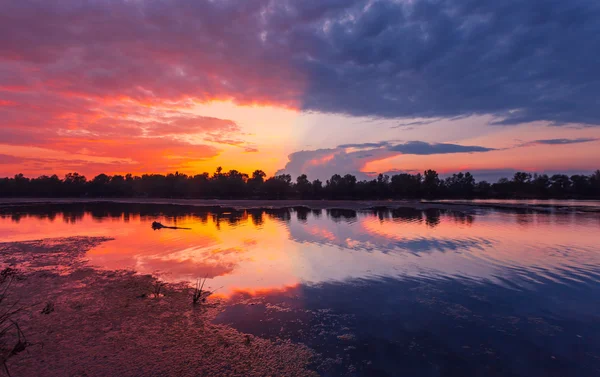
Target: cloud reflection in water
269	249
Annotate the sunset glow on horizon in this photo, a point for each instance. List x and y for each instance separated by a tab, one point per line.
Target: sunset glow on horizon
359	87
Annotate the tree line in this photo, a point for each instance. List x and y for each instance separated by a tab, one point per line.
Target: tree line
236	185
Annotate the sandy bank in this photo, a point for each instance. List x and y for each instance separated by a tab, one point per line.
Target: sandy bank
107	323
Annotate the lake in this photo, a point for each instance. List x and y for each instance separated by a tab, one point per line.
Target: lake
383	292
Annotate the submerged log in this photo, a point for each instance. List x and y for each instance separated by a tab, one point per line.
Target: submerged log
156	225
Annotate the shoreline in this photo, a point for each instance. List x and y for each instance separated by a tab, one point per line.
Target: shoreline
358	205
81	320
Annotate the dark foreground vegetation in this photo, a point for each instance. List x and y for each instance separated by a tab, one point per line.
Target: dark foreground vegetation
236	185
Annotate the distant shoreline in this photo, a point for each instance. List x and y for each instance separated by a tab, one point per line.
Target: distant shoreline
455	205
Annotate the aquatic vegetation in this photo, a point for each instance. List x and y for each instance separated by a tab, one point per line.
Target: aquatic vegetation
200	294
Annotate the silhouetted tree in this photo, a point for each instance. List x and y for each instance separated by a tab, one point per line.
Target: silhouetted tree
75	184
595	183
460	185
580	184
383	186
234	184
303	187
502	188
317	189
559	184
540	184
406	185
278	187
199	186
431	183
339	187
483	189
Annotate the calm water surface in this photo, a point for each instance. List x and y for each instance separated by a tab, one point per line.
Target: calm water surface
375	293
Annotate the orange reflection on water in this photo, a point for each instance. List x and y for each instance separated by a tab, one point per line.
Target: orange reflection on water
230	255
258	292
259	251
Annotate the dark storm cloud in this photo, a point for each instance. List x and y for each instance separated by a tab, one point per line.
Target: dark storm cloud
517	60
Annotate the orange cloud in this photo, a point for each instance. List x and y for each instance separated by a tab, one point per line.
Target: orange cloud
84	91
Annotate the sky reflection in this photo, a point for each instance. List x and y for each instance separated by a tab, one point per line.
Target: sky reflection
259	250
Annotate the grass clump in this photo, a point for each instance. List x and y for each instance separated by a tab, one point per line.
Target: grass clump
200	294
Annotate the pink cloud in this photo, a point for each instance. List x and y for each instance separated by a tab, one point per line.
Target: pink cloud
145	51
119	79
149	136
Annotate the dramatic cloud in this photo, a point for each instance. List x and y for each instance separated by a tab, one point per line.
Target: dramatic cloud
518	60
521	61
352	158
122	79
151	138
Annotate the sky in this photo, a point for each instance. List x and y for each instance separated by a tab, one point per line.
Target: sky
313	86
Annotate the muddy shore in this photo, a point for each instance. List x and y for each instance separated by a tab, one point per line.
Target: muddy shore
80	321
